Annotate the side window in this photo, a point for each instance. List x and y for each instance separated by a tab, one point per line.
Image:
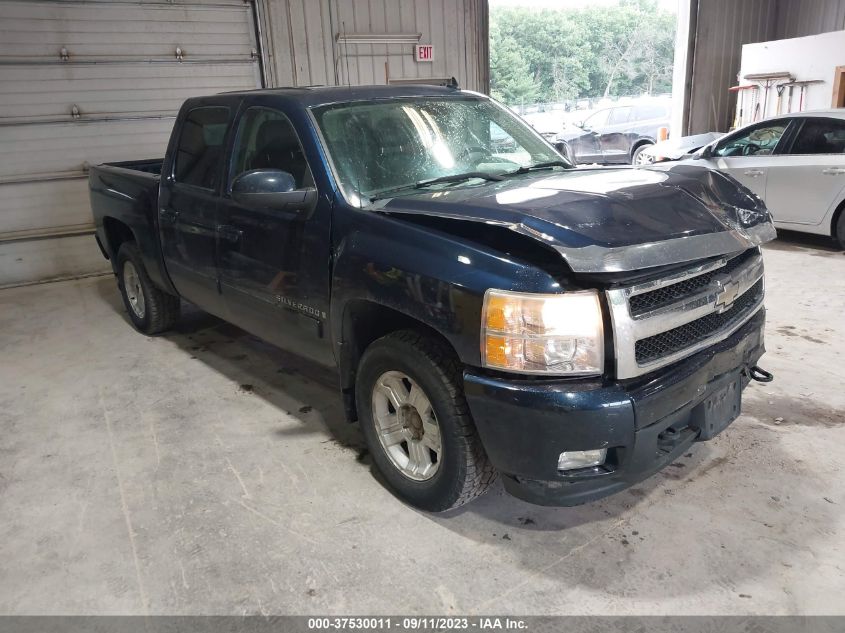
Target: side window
266	140
820	136
651	111
597	119
760	140
619	115
200	149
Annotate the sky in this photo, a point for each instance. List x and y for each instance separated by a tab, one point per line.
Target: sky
668	5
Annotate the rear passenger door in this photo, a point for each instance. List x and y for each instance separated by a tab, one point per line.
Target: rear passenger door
188	205
807	184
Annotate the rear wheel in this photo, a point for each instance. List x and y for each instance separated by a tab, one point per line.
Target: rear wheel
638	158
150	309
417	423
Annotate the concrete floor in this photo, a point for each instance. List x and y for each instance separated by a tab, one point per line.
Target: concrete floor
206	473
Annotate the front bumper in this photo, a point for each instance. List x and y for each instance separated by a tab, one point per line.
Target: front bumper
645	423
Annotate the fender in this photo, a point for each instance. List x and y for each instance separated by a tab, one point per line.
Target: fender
424	274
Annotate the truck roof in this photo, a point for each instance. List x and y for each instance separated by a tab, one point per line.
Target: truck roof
320	95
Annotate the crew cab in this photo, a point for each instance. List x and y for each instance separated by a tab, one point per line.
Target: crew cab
488	310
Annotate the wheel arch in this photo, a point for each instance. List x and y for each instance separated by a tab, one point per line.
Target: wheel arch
116	233
840	209
640	142
365	321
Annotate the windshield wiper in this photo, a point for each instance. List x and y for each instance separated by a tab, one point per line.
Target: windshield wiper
420	184
546	165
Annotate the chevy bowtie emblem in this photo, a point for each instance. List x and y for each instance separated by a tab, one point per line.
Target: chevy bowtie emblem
726	295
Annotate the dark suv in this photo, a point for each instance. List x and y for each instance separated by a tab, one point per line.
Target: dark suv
615	135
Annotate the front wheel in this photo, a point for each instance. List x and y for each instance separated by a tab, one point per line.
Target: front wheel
839	230
150	309
417	424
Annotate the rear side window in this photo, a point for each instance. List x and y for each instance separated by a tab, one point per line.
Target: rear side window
200	150
820	136
619	115
651	111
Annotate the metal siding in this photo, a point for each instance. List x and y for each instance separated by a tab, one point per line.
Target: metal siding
723	27
127	85
302	36
799	18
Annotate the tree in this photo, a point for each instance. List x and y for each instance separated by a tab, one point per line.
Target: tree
514	82
558	55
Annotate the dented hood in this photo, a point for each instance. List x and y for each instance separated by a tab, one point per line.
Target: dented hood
611	219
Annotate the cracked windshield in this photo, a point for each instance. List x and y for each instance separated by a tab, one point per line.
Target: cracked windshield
404	145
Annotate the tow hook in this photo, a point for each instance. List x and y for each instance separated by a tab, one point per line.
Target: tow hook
759	374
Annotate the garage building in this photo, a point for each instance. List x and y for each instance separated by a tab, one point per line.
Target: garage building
85	82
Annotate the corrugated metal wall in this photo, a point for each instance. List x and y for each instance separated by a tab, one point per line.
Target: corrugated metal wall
302	47
723	26
797	18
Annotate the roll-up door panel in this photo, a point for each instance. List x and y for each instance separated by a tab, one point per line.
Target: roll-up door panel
89	82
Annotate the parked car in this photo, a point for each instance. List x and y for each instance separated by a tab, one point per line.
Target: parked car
487	309
795	162
615	135
676	148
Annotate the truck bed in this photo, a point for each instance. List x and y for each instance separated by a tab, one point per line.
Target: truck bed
124	201
149	166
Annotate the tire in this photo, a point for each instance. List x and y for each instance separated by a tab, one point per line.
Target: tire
150	309
839	230
638	159
397	364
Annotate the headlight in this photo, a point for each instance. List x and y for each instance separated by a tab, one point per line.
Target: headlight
531	333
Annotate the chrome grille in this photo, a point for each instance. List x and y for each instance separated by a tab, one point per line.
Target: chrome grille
660	322
647	301
679	338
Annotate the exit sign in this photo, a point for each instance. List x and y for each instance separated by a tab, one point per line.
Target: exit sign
424	53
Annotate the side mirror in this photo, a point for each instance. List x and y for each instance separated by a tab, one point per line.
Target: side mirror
560	146
271	188
704	152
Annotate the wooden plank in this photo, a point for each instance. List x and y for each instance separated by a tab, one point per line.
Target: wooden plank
838	100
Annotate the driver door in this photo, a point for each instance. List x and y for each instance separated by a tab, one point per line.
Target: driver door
266	265
587	146
749	154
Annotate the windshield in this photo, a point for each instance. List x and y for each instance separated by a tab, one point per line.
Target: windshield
385	145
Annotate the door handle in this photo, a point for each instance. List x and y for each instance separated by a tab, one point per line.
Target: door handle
754	172
229	233
168	216
833	171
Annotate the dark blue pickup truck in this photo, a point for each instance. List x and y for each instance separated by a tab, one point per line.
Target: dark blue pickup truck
488	309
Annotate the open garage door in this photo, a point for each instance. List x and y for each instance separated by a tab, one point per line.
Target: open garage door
93	81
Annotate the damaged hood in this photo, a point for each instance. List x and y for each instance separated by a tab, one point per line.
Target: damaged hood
611	219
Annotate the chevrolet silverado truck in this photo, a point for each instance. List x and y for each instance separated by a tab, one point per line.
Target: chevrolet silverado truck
488	309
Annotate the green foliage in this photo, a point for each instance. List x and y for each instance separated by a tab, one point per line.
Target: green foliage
548	55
